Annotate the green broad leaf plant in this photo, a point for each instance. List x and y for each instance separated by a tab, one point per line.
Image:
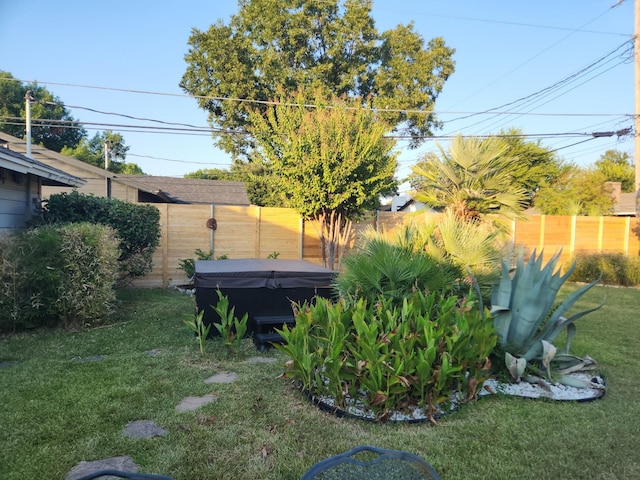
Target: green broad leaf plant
427	352
201	330
528	319
231	329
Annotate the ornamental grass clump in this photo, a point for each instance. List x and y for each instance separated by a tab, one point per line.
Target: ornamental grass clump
428	352
528	319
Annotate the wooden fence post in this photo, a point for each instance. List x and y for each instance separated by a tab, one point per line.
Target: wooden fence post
600	233
164	232
572	236
627	227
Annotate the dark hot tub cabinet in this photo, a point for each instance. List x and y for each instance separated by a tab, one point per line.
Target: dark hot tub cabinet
263	288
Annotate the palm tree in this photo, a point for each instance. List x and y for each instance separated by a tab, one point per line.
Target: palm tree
473	179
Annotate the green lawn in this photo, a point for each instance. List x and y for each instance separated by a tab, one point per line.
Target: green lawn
57	411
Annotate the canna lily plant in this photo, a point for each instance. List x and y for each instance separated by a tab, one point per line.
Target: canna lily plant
527	320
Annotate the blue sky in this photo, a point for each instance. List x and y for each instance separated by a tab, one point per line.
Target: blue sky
505	51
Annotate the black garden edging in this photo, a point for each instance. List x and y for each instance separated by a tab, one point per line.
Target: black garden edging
341	413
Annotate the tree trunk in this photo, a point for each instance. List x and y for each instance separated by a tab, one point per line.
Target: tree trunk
335	233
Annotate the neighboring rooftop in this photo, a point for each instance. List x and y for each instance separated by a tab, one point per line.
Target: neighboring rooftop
150	188
49	175
191	190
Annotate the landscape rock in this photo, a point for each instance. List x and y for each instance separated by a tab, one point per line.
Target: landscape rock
143	429
123	464
193	403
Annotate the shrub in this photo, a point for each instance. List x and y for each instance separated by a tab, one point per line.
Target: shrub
427	352
380	267
188	265
137	226
615	268
58	275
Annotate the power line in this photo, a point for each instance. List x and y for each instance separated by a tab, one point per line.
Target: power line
565	80
275	103
164	130
533	58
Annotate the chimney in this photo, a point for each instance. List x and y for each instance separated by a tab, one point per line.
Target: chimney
615	189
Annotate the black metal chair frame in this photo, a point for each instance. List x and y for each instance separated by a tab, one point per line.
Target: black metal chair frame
383	454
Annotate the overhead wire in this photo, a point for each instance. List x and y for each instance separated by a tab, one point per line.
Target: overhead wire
516	68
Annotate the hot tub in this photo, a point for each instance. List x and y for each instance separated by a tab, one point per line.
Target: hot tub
262	288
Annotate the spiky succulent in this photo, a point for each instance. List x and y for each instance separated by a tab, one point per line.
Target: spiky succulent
522	305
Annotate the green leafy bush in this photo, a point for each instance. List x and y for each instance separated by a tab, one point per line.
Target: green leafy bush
615	268
381	267
137	226
58	275
231	328
188	265
428	351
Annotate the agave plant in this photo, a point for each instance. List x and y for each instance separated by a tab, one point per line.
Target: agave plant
527	320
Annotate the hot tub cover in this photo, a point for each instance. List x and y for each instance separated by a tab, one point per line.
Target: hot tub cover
261	273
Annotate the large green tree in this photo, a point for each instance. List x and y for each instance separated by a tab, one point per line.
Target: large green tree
252	174
532	165
93	152
579	191
294	45
52	124
331	163
616	166
473	178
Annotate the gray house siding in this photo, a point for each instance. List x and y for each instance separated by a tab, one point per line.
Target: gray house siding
21	181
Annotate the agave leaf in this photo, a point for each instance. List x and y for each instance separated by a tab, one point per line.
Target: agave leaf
516	366
571	332
572	381
548	352
563	307
556	325
501	322
567	363
501	292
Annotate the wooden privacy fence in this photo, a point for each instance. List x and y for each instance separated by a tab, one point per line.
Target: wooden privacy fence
257	232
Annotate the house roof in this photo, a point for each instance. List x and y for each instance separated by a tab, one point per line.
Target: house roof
164	189
49	175
190	190
626	205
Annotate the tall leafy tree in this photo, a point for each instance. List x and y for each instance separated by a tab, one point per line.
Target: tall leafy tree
533	166
331	163
252	174
472	179
616	166
52	124
306	45
579	191
92	151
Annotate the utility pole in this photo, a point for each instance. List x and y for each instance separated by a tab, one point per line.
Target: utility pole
106	166
28	98
636	63
636	123
106	154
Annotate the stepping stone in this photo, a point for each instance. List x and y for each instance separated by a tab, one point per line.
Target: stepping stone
95	358
222	377
261	360
193	403
143	429
123	464
7	364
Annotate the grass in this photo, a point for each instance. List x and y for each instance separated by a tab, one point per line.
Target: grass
57	411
